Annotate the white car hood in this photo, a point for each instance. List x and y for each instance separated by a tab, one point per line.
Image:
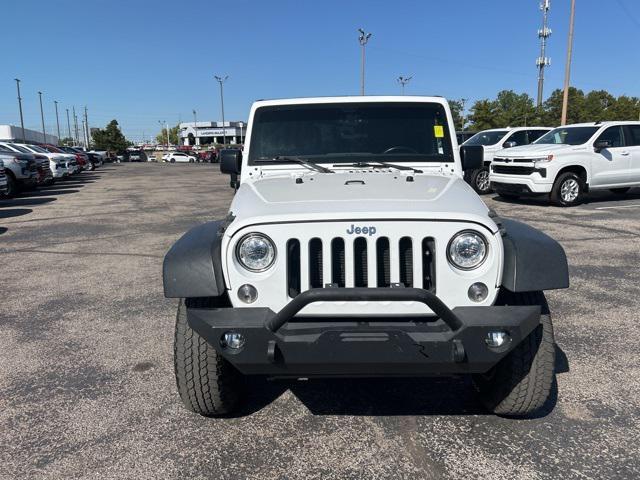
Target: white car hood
537	150
357	195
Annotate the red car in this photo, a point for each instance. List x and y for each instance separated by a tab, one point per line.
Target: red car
81	159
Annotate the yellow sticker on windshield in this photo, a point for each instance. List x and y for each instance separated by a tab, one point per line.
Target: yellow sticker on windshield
438	131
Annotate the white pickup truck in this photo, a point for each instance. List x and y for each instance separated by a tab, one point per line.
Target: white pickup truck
568	162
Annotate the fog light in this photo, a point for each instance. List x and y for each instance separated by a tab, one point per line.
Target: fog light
247	293
233	340
478	292
497	339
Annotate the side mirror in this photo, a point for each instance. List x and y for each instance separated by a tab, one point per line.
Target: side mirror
602	144
230	161
509	144
472	157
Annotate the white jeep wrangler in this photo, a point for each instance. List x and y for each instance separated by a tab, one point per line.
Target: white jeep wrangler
353	247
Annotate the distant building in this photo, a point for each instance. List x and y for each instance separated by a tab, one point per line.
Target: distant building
10	133
206	133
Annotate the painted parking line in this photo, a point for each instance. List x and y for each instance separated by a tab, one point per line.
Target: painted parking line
618	206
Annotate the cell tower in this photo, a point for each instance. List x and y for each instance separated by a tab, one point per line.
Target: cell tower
542	61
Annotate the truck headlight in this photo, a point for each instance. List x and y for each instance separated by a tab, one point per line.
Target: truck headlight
256	252
467	250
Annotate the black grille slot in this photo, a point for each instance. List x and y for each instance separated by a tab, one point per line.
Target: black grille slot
337	262
293	267
406	261
360	273
429	264
513	169
315	263
383	262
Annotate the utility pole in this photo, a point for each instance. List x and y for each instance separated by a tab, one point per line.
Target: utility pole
68	124
195	126
403	81
542	61
463	101
221	81
44	133
363	39
75	126
86	126
55	102
24	140
567	68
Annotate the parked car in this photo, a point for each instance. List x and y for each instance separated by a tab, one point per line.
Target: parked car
570	161
81	157
492	141
21	170
57	163
3	180
208	156
178	157
135	156
463	136
68	159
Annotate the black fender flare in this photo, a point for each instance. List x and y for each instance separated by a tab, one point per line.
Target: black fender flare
193	265
533	261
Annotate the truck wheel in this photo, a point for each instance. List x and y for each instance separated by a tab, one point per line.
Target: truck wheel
12	186
520	384
568	190
620	191
207	383
479	180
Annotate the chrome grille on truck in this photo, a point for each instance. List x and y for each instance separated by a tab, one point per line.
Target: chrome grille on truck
360	262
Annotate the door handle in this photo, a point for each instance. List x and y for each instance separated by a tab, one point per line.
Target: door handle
624	154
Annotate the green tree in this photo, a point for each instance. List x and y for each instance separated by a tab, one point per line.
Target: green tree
575	111
625	108
66	141
110	138
484	115
173	136
456	112
599	105
514	110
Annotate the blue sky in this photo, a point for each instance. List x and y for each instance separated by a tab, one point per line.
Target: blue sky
143	61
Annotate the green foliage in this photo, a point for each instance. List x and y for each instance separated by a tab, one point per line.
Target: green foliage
66	142
456	112
161	138
110	138
510	109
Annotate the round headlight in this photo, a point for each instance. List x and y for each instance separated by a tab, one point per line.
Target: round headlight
256	252
467	250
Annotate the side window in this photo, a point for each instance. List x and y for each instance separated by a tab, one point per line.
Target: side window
519	137
535	134
634	138
613	135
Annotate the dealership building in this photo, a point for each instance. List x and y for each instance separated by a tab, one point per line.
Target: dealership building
207	133
11	133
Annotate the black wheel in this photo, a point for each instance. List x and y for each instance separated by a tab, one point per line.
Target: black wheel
568	190
520	384
173	160
620	191
207	383
12	186
479	180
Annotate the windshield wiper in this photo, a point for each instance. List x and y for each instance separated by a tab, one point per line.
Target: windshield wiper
378	164
298	160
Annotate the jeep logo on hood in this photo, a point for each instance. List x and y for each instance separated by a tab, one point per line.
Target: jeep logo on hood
353	230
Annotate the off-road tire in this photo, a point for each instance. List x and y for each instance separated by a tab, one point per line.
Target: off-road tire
520	384
557	190
620	191
207	383
479	180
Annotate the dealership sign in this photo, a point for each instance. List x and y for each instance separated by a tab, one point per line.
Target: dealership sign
216	132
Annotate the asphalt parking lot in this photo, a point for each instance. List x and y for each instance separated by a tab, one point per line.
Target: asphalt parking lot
86	373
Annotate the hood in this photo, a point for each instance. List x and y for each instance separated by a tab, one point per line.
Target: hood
357	195
537	150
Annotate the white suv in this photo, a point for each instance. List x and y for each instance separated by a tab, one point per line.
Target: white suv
569	161
178	157
493	141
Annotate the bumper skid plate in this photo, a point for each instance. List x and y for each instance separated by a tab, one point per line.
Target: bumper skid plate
281	344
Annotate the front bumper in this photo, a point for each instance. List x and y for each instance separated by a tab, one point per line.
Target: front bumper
518	184
285	345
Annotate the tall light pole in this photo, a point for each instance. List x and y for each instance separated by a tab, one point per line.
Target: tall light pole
403	81
68	124
221	80
463	102
363	38
55	102
195	126
567	68
542	61
75	126
44	133
86	126
24	140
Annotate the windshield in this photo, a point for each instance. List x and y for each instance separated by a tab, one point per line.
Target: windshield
568	136
35	148
345	132
487	138
20	148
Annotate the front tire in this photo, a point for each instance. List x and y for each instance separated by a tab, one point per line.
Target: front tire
208	385
520	384
479	180
568	190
